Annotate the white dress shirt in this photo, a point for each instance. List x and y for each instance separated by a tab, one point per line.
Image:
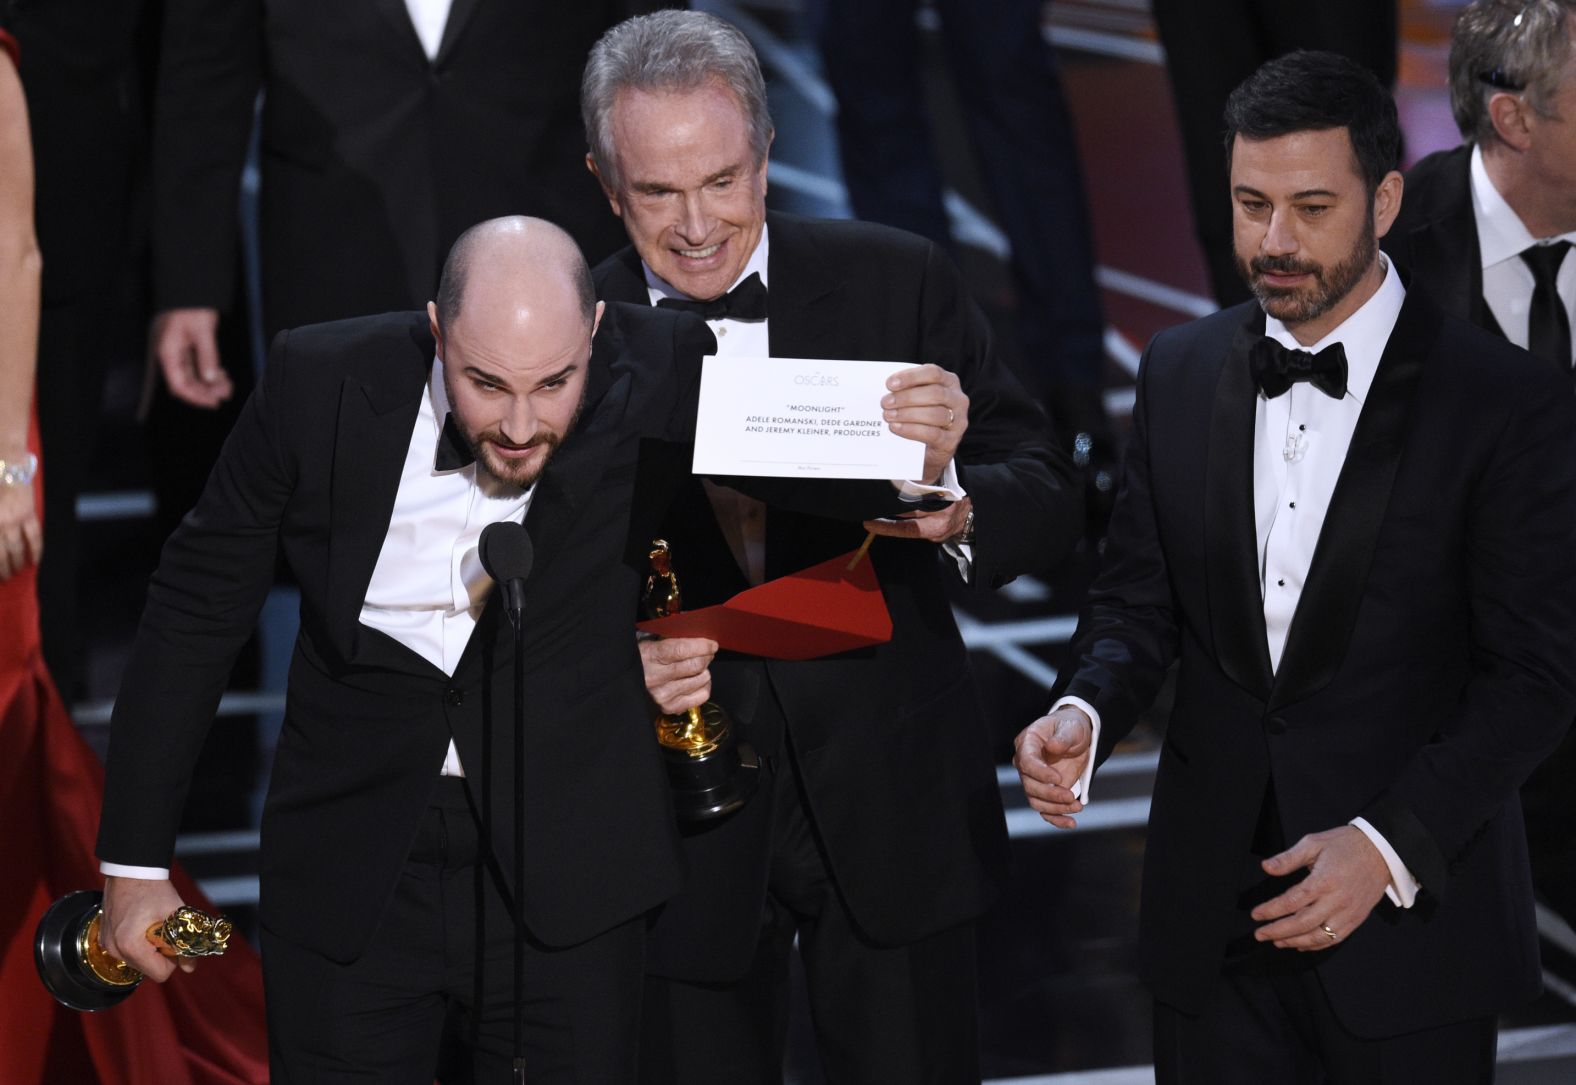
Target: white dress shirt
428	586
429	17
1300	440
741	517
1507	280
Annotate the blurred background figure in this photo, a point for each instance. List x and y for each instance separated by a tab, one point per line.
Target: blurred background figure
384	131
1010	90
206	1032
1486	229
1211	46
83	67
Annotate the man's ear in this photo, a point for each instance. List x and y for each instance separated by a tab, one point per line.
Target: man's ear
1511	116
437	332
771	137
607	189
596	322
1387	202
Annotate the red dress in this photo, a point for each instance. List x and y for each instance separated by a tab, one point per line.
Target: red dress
206	1028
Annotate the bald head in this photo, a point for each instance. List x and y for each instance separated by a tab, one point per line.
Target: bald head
513	325
514	263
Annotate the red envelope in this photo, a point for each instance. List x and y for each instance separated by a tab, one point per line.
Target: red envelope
815	612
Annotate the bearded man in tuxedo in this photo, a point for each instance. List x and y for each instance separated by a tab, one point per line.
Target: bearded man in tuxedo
1348	517
370	459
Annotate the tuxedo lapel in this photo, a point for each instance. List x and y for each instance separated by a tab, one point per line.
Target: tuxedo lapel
460	14
1327	609
1448	265
622	279
808	306
812	313
1230	536
373	435
1447	260
397	15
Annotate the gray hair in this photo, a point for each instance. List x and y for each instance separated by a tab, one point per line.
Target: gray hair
670	51
1506	45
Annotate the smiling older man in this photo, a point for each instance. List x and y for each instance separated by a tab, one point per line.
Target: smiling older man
878	837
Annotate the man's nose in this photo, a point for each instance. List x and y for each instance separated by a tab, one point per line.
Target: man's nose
695	223
520	423
1281	237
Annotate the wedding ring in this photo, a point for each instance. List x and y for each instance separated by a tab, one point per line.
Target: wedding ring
950	417
1325	927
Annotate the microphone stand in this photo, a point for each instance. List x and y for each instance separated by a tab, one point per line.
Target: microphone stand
519	845
505	552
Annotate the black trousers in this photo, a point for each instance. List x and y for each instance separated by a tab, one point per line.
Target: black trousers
1010	91
1276	1025
381	1018
1549	810
880	1013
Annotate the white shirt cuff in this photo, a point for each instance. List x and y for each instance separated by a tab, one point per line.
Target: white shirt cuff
1080	789
1403	887
949	486
148	873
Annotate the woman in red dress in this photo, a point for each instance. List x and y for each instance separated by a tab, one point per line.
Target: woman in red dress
201	1029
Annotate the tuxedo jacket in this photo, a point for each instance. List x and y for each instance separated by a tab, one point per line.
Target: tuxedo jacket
895	757
1426	671
310	475
1434	238
372	158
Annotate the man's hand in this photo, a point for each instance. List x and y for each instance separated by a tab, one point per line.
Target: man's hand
935	526
1050	755
21	537
1346	877
927	404
185	344
131	906
677	674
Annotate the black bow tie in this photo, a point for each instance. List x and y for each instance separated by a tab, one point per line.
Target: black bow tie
453	452
747	301
1276	368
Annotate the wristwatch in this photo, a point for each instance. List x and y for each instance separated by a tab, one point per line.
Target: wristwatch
966	536
18	472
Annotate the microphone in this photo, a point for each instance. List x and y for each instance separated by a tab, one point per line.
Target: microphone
505	552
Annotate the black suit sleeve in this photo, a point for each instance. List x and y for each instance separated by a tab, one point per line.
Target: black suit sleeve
210	68
1521	694
203	602
1127	634
1028	501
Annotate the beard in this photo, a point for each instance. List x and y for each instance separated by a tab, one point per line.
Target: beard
517	475
484	446
1298	305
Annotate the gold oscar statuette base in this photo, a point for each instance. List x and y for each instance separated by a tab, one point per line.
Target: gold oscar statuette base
82	975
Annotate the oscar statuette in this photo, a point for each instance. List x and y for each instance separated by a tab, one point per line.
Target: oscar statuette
711	773
83	976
